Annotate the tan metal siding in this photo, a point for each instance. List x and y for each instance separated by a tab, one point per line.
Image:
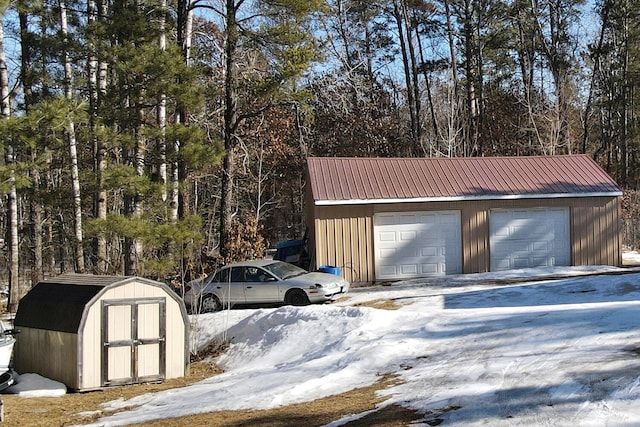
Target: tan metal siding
475	241
596	233
343	238
343	234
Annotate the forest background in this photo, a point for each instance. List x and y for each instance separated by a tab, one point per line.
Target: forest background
161	138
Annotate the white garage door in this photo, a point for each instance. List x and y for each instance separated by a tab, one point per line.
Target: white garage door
417	244
523	238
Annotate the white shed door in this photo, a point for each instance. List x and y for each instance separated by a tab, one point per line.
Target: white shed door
133	341
417	244
524	238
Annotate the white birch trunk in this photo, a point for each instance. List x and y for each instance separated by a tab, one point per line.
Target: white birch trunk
73	152
15	291
162	115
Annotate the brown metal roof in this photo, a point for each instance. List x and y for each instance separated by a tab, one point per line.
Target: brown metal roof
59	303
387	180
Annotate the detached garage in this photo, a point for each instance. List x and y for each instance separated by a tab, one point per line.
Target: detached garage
390	219
90	332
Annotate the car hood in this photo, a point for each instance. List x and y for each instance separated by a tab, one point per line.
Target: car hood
321	278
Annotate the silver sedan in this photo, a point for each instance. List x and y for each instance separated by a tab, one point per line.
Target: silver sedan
262	282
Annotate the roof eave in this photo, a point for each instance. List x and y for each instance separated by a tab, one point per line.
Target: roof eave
466	198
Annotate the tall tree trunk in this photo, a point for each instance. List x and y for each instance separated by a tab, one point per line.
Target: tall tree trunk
398	14
73	151
586	117
454	120
425	76
526	60
135	249
413	61
471	78
342	32
179	205
554	49
626	106
97	88
15	291
35	207
230	124
161	115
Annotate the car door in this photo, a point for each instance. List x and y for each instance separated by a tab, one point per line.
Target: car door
260	286
229	285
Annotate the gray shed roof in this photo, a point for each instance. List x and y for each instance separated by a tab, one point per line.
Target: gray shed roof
58	303
337	181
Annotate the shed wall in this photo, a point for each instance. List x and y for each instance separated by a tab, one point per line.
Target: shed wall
343	235
60	348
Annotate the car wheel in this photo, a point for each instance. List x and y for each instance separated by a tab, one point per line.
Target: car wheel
297	297
210	303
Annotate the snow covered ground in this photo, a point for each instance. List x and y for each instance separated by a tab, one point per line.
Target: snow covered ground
562	352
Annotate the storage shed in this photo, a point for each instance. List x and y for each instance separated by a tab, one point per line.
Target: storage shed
385	219
90	332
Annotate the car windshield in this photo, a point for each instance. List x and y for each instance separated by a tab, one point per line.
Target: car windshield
284	270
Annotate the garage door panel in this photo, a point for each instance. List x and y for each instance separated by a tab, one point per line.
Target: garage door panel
387	253
502	264
427	244
407	219
427	219
529	238
542	246
407	235
388	236
409	269
429	251
429	269
388	270
541	260
452	219
385	219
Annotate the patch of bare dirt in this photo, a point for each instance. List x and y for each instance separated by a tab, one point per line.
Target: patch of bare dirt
66	410
382	304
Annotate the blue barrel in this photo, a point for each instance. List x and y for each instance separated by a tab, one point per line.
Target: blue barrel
330	269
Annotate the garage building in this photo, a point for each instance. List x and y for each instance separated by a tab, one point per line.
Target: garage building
385	219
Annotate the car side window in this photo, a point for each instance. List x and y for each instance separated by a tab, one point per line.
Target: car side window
237	274
221	276
251	274
265	276
255	274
